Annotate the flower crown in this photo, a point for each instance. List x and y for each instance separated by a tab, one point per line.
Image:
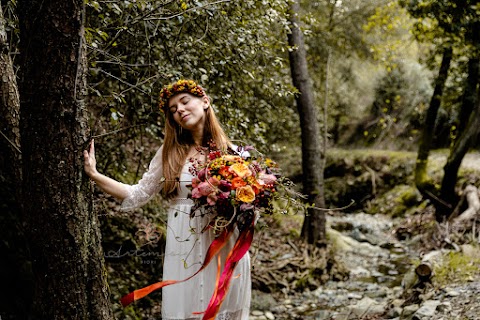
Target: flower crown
180	86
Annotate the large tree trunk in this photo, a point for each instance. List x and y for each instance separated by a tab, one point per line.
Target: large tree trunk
14	272
422	180
62	229
313	229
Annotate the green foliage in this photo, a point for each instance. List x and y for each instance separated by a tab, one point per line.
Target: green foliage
456	266
235	49
402	95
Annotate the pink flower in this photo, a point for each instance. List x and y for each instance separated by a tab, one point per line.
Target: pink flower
212	199
195	182
264	179
224	195
202	174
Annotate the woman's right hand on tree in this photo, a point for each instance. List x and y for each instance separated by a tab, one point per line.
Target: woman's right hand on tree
90	163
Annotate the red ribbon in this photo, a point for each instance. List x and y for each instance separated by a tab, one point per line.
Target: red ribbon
217	244
241	247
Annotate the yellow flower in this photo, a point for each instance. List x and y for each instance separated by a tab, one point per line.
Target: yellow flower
231	158
240	170
245	194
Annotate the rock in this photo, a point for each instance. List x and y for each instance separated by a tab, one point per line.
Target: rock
394	312
427	309
444	306
322	315
470	251
366	306
360	272
257	313
397	302
409	310
452	293
353	295
269	315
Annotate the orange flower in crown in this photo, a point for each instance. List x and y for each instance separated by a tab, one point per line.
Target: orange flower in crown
180	86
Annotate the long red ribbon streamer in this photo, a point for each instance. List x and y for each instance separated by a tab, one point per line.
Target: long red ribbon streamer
240	248
217	244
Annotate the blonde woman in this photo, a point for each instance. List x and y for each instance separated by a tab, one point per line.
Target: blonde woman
191	124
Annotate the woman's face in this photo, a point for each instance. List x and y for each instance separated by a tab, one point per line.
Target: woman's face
189	111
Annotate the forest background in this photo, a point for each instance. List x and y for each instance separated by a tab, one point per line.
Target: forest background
394	75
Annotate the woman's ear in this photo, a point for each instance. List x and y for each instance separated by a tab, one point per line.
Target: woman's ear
206	102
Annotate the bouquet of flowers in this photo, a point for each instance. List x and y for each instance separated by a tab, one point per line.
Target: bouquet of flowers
233	188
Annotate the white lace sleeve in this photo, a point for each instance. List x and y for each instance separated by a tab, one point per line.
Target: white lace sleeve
148	186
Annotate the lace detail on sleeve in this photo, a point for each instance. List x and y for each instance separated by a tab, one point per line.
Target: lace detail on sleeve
148	186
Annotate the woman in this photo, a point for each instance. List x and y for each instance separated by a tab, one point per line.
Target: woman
191	125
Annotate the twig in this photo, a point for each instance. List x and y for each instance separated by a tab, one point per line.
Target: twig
335	209
438	199
11	142
123	81
115	131
188	10
372	174
325	109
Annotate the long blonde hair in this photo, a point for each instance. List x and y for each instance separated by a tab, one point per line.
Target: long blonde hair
177	144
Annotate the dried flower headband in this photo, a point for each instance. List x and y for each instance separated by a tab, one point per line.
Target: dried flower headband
180	86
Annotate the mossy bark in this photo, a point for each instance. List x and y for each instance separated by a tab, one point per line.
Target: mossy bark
422	180
62	228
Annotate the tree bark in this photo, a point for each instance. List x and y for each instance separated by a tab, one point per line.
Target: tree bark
9	111
422	180
469	95
468	128
460	148
62	229
313	229
14	271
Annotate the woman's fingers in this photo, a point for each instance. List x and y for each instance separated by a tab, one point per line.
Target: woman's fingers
92	147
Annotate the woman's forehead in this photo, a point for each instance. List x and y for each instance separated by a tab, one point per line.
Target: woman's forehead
174	99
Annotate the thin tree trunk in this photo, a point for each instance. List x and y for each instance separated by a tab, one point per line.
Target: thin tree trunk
62	229
460	148
422	180
469	95
313	229
468	128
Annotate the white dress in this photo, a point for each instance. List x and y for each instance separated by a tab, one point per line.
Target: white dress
185	251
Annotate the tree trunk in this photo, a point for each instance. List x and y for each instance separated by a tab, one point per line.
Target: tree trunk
313	229
422	180
14	272
62	229
460	148
469	95
468	128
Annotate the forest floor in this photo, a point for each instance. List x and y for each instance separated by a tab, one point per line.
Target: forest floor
379	263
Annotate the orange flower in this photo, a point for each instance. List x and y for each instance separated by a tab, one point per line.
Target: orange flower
240	170
238	182
224	171
245	194
231	158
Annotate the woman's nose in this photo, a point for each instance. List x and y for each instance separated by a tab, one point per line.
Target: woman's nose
180	108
